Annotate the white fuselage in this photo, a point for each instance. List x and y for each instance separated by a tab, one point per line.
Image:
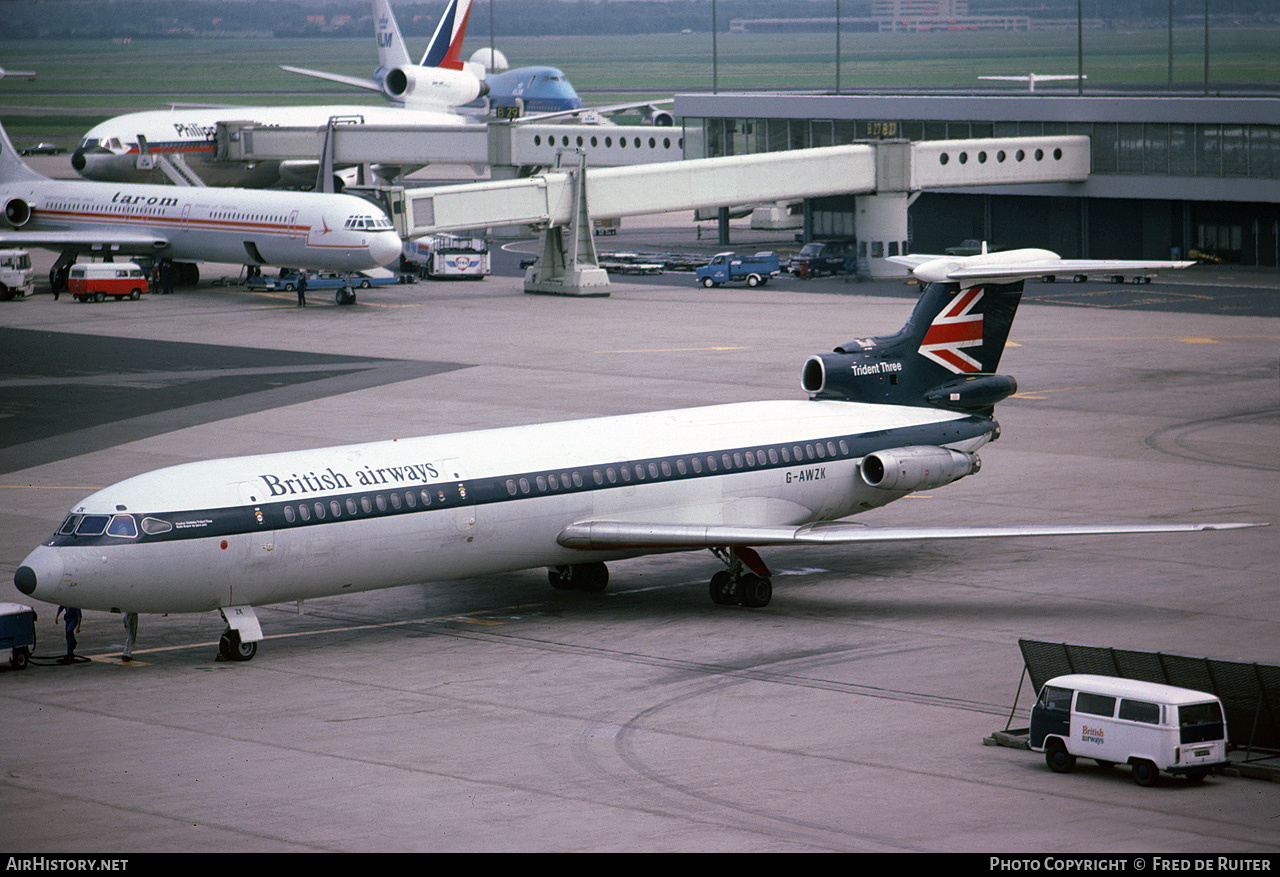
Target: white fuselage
111	151
304	524
246	226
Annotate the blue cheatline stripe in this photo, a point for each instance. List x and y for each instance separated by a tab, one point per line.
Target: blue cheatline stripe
374	502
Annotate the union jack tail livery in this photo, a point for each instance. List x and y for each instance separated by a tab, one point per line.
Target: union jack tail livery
945	356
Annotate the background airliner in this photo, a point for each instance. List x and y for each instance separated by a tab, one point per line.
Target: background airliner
886	416
510	93
429	94
532	93
190	224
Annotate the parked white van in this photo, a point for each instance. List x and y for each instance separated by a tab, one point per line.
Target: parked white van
1149	726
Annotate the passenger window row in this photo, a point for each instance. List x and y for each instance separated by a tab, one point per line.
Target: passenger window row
378	503
677	467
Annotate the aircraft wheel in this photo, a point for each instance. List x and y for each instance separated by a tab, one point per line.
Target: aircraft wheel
724	590
232	649
755	591
1145	773
1058	758
590	578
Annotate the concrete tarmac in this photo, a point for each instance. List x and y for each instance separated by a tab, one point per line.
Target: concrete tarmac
498	714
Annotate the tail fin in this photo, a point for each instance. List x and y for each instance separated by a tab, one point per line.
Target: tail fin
12	168
391	48
445	49
945	356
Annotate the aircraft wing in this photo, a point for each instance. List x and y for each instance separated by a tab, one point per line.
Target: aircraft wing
114	239
621	534
354	81
611	108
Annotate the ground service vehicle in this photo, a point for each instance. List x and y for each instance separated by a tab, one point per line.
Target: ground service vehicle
17	632
825	257
446	255
1149	726
94	281
732	268
17	277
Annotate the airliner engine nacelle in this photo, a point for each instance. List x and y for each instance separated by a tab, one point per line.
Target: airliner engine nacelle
879	376
651	115
438	85
917	468
17	212
973	393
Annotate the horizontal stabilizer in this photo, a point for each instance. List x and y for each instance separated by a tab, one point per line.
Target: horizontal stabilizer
1013	266
354	81
620	534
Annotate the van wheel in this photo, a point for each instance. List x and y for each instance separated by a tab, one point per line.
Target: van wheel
1145	773
708	282
136	294
1058	758
99	296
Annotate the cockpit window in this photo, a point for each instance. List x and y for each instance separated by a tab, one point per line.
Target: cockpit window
369	223
154	526
69	525
123	526
93	525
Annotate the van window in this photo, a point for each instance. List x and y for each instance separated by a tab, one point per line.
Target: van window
1139	711
1200	722
1095	704
1056	698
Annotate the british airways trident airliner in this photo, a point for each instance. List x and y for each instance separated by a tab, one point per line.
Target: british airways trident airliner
886	416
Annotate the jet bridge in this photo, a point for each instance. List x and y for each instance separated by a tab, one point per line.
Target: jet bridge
886	176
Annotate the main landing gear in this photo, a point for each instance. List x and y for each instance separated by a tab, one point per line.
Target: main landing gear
745	582
592	578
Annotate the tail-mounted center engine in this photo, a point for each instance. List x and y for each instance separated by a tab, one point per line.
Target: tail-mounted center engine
921	467
437	85
17	212
945	356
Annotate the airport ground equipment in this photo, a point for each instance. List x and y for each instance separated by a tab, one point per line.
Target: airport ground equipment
17	632
17	277
754	270
448	256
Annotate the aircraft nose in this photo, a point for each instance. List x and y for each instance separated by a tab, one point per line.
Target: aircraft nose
40	573
385	248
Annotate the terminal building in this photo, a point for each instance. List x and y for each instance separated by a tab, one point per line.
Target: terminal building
1171	176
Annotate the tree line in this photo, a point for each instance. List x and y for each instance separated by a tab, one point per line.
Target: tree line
353	18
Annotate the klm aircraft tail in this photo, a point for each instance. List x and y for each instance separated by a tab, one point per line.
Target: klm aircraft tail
945	356
391	48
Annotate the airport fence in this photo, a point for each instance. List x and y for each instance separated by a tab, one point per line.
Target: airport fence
1250	692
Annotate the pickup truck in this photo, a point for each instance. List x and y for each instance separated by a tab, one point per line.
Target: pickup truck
732	268
825	257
